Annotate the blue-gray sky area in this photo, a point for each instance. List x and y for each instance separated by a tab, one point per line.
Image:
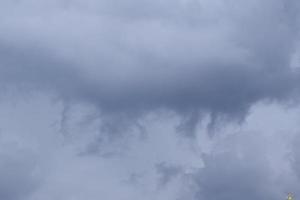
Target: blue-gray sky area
149	99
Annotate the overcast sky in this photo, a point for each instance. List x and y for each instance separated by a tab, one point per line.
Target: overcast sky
149	99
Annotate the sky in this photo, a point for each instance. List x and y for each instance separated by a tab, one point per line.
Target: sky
149	99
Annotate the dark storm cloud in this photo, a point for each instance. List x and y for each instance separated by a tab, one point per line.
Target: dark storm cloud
133	58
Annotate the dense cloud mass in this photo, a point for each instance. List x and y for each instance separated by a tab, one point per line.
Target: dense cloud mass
94	94
218	57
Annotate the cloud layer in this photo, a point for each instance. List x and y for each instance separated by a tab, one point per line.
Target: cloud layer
218	57
94	93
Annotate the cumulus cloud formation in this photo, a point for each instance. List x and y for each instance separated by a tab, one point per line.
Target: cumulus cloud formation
90	86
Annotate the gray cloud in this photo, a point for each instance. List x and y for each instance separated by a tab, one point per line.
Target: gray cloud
167	172
18	171
133	58
242	168
188	61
